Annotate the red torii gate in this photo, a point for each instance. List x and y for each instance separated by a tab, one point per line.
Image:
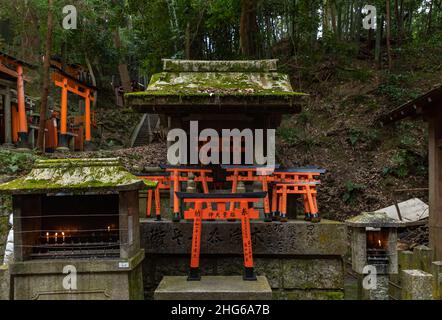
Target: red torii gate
19	75
68	83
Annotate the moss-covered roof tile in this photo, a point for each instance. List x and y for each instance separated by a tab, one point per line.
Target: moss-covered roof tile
76	175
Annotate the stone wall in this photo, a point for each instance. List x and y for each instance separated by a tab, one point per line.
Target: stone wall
301	260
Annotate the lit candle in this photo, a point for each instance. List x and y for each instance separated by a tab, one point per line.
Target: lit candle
47	237
108	228
380	243
63	236
56	236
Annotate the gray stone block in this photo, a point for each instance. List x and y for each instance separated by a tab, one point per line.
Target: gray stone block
296	237
437	279
4	283
423	258
96	279
417	285
313	274
308	295
213	288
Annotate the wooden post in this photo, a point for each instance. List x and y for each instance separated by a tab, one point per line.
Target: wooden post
23	123
8	117
435	181
63	142
87	116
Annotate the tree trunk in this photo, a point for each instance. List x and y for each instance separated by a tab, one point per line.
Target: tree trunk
45	85
187	41
94	79
248	28
388	27
430	18
379	24
122	66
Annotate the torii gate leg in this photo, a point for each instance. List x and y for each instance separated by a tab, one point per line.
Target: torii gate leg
23	122
63	141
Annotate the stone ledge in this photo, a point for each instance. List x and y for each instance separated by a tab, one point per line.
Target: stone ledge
82	265
295	237
213	288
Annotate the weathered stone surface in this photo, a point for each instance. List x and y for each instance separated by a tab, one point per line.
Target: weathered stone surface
43	280
423	258
213	288
4	283
381	292
417	285
219	66
308	295
406	260
437	279
293	238
313	274
70	175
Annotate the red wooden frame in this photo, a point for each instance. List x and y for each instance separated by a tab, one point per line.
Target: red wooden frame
198	213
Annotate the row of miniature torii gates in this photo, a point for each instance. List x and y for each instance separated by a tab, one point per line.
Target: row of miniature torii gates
64	79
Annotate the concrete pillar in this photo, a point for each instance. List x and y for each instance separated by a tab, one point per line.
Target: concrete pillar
417	285
437	279
8	117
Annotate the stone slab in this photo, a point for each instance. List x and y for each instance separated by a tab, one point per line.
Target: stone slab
295	237
417	285
213	288
4	283
97	279
437	279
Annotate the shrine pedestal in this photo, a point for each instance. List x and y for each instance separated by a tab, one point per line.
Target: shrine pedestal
213	288
300	260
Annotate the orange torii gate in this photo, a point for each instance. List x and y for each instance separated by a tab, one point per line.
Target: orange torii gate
19	75
68	83
198	213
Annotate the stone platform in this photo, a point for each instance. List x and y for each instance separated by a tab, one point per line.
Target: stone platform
301	260
213	288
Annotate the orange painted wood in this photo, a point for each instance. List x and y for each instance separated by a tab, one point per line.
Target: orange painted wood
23	122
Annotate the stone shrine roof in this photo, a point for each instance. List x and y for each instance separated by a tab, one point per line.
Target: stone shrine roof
219	85
75	175
374	220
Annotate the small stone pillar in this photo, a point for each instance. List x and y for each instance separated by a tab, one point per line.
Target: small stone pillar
417	285
437	279
5	290
424	257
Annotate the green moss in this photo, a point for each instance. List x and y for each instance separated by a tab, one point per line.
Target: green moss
75	174
218	84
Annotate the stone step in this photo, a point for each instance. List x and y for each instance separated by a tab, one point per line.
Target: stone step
213	288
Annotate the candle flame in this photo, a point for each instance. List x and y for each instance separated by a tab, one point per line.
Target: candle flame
380	243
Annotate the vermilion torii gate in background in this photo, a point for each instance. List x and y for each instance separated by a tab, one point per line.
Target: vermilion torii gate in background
19	76
68	83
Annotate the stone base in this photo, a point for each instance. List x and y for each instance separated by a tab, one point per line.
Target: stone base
301	260
4	283
97	279
213	288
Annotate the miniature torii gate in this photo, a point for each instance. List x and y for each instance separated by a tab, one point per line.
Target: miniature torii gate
68	83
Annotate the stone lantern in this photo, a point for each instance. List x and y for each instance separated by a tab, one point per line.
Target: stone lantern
373	250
